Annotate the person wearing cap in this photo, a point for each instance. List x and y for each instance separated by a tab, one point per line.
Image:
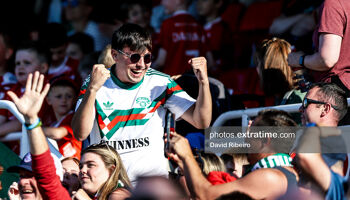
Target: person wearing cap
126	104
27	187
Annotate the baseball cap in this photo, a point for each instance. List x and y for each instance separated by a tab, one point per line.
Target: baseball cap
26	163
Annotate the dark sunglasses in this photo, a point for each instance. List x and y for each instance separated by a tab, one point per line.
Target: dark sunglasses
134	58
307	102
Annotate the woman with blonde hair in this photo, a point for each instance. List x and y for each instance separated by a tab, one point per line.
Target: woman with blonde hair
275	73
102	174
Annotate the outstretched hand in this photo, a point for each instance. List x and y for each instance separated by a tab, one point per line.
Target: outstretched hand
31	101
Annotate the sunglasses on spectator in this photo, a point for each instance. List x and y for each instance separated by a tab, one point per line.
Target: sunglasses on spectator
135	57
307	102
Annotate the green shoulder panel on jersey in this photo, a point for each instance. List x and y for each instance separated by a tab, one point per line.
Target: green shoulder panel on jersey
151	71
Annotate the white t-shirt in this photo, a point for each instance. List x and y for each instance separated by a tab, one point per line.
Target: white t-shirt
131	119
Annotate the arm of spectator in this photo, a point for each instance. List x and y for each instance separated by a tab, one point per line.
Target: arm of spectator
43	165
9	127
201	187
80	195
83	119
313	163
199	115
326	57
29	105
160	61
55	133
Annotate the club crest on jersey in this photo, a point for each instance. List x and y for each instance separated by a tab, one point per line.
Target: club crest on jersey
108	105
143	101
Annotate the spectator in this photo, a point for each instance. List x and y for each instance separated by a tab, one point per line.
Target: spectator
280	180
7	78
106	57
330	62
28	185
85	65
61	98
77	13
71	171
276	76
79	45
219	36
55	37
131	118
181	38
30	57
137	12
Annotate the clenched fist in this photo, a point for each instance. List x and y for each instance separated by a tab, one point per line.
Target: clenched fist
98	76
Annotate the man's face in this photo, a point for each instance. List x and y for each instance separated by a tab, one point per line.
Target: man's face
312	113
127	71
27	185
58	54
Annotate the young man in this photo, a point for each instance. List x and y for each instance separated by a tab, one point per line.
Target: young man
126	104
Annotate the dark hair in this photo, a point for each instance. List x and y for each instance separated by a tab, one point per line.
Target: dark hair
133	36
38	48
84	41
271	117
64	82
331	93
279	121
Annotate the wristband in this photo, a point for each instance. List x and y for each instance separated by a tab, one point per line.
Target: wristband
36	124
301	60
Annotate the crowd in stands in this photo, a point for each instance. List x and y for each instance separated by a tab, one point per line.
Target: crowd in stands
101	85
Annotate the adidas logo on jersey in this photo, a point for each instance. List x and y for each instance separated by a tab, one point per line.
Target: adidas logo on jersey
108	105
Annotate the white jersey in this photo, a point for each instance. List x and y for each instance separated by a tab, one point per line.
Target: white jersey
131	119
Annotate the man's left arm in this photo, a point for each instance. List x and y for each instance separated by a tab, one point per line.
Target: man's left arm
199	114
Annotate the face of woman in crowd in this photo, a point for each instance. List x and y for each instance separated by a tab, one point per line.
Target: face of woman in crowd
93	172
71	175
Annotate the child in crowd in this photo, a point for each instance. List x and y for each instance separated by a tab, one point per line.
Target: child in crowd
55	37
218	33
79	45
181	38
30	57
62	97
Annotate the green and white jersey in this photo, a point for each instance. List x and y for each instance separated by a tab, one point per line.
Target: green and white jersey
131	119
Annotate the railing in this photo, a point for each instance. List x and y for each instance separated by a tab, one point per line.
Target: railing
22	136
252	112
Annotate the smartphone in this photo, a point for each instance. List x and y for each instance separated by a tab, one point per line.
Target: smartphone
170	127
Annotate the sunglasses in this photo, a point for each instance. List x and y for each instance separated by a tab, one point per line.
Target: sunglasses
307	102
134	58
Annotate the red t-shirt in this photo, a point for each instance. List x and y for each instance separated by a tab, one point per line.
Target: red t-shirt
69	69
46	114
183	38
45	174
68	145
333	20
219	41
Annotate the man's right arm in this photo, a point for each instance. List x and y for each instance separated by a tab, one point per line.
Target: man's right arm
83	119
